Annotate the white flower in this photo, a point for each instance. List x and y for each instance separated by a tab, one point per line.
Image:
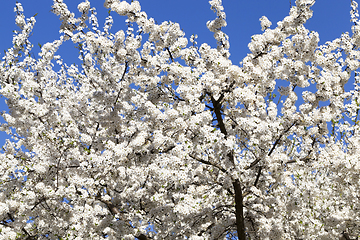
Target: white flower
265	23
19	7
84	6
20	21
121	8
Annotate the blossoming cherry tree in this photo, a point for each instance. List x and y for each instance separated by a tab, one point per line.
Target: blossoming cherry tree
153	137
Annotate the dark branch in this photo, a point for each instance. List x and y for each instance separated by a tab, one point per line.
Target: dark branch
273	147
209	163
239	210
122	78
258	176
171	57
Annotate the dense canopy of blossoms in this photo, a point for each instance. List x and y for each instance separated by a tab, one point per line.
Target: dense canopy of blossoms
154	130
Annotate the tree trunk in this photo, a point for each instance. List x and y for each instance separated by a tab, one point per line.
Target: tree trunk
239	210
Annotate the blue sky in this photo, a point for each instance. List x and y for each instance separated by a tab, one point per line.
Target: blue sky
331	18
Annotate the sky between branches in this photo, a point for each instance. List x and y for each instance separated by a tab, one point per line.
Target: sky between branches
330	19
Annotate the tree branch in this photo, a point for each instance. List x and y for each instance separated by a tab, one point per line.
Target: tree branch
209	163
171	57
273	147
122	78
258	176
239	210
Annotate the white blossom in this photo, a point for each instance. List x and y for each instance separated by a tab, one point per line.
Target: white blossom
265	23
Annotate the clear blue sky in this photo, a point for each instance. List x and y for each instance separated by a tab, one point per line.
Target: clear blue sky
331	18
